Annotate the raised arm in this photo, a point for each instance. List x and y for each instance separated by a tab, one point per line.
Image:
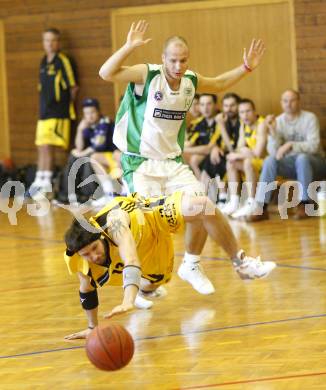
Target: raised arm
118	230
226	80
113	68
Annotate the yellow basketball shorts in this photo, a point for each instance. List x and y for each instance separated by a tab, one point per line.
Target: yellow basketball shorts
157	265
53	132
157	268
168	214
257	164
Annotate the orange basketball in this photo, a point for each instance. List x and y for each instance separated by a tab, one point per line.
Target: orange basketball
109	347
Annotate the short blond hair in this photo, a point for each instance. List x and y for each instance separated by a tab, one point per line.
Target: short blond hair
294	91
175	38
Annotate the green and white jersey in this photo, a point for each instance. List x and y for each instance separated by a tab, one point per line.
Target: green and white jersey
153	125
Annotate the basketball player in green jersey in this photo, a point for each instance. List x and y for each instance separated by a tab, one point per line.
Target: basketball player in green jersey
150	126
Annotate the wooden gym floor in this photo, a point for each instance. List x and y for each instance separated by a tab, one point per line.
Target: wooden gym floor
267	334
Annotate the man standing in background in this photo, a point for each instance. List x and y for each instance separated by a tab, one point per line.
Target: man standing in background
58	89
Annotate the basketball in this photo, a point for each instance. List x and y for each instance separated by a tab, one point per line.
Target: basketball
109	347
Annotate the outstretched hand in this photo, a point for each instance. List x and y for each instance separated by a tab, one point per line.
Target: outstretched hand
136	34
120	309
255	54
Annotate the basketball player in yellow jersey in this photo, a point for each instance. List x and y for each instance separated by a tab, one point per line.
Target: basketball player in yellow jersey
129	243
247	159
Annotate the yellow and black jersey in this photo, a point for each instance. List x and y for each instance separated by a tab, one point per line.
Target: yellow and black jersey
250	133
149	218
202	133
152	220
233	131
192	125
110	271
56	79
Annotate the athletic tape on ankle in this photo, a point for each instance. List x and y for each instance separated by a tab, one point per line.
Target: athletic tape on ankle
131	276
89	299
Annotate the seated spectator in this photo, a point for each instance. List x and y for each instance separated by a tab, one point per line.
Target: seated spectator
214	165
204	134
295	152
247	159
94	139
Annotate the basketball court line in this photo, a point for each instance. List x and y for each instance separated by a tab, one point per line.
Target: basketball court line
214	259
278	259
267	379
53	241
249	325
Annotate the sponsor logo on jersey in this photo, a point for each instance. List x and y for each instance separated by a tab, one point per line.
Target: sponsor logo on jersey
158	96
169	114
187	91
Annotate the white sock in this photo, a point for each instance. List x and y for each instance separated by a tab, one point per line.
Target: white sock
239	257
46	179
188	258
142	303
250	200
222	196
124	190
107	187
38	179
234	199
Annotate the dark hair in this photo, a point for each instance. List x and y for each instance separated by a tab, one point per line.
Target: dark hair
77	237
214	97
197	96
91	102
248	101
53	30
232	95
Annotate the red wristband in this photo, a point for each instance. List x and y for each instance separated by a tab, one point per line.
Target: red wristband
247	67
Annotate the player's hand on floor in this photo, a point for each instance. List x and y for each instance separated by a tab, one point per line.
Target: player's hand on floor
79	335
120	309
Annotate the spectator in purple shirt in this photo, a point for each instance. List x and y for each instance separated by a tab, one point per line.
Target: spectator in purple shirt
94	140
